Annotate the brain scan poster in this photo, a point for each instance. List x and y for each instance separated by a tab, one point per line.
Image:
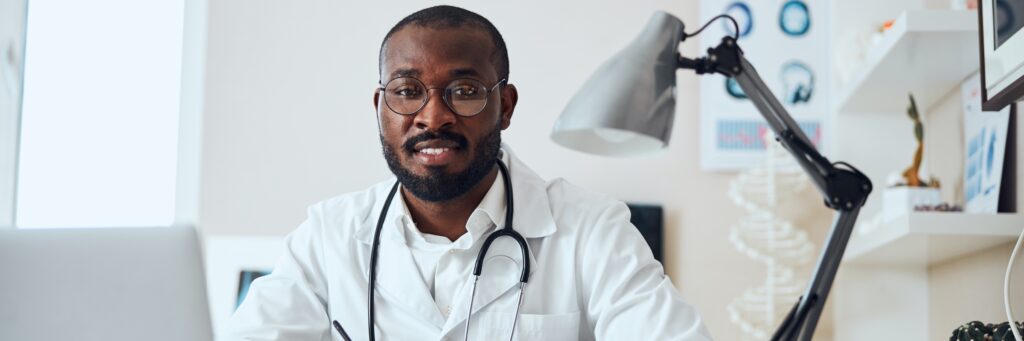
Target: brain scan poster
785	41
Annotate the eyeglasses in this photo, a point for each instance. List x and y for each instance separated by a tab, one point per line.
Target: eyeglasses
466	97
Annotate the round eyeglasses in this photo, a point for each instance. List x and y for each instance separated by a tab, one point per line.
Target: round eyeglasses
466	97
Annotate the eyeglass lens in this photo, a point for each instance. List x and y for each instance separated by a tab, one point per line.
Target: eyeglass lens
407	95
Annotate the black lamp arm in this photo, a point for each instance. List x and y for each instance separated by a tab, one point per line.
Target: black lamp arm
844	188
841	191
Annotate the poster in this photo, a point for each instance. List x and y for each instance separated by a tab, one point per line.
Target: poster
785	41
985	136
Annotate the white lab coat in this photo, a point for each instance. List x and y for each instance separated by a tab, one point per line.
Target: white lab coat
592	277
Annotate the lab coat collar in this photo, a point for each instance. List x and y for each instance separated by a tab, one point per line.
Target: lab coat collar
532	216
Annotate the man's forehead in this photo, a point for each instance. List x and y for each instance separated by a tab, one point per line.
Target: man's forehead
456	52
458	72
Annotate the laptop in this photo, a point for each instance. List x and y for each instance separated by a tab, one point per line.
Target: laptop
109	284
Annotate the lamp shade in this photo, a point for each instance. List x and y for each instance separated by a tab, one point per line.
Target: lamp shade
628	104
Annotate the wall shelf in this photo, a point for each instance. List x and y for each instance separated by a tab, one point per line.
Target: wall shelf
927	52
926	238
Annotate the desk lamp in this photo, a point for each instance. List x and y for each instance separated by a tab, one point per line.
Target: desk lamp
627	107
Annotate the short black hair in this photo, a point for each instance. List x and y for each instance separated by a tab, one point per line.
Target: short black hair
444	16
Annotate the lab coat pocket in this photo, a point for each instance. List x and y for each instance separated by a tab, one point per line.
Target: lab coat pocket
498	325
548	327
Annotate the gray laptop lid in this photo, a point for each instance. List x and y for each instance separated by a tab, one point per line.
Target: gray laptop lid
106	284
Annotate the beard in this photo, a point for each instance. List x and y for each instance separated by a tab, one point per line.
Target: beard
438	185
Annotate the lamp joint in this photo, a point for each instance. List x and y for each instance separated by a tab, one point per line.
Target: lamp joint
723	59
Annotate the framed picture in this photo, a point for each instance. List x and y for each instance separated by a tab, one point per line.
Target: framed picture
1002	52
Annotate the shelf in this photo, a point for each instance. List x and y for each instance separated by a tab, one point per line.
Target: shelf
926	238
927	52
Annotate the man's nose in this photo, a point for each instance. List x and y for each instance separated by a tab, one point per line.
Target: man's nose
436	114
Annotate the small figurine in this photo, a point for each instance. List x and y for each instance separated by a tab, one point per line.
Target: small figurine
910	176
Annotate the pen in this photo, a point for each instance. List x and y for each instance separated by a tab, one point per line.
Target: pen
341	330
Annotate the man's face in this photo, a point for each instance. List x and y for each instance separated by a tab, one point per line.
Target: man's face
435	153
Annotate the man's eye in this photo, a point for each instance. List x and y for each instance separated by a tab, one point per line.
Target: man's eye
464	91
406	92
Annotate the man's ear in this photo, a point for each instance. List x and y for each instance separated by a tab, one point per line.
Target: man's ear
376	99
509	98
376	109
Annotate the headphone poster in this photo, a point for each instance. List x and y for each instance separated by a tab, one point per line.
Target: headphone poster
785	41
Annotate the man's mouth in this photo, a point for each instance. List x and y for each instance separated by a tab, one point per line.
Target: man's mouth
436	152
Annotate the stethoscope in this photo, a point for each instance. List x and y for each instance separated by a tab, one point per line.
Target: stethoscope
505	231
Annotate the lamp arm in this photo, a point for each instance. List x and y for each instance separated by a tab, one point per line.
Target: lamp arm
845	189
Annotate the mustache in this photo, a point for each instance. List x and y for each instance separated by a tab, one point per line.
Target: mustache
459	140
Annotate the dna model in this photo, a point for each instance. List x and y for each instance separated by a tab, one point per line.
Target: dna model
768	239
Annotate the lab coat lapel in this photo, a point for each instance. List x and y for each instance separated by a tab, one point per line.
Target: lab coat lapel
398	279
532	215
399	282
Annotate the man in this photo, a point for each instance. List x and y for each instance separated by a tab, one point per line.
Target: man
443	101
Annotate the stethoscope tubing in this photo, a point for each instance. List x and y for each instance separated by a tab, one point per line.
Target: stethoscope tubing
373	260
505	231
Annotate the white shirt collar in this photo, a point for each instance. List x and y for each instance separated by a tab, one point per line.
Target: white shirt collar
489	214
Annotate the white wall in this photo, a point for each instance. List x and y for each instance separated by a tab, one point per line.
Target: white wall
289	121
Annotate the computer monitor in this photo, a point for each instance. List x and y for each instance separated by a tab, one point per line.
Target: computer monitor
107	284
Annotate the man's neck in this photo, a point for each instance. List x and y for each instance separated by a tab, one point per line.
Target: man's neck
448	218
